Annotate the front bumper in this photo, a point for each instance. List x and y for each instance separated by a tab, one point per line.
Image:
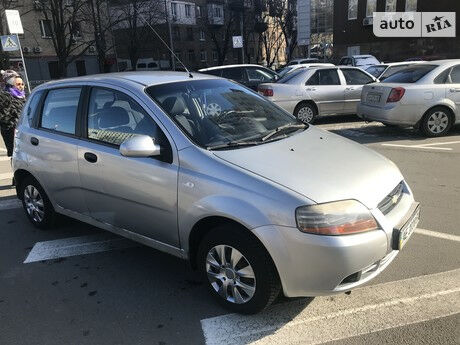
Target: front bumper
313	265
395	114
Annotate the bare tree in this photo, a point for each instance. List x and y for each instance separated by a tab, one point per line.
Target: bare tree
284	15
272	40
134	18
69	34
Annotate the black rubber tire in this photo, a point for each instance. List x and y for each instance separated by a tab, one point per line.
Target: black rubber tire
305	105
49	218
424	122
268	284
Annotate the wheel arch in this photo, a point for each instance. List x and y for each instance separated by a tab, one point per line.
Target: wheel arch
19	176
444	105
310	102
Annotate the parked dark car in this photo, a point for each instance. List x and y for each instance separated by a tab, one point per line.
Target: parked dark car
247	75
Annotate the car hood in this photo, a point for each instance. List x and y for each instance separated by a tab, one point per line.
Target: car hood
320	166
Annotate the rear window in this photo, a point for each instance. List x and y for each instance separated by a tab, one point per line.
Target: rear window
410	74
366	60
291	77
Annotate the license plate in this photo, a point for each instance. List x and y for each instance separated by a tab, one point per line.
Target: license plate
401	235
373	98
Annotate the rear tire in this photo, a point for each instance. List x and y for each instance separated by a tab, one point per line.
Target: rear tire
436	122
36	204
305	112
238	270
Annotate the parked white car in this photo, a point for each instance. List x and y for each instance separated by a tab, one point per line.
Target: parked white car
307	93
361	61
426	96
383	71
292	68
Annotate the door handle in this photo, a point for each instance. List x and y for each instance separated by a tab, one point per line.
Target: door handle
90	157
349	88
311	89
34	141
454	90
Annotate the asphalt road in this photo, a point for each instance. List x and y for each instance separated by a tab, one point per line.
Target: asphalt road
118	292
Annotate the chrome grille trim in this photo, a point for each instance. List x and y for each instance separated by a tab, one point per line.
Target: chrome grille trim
392	199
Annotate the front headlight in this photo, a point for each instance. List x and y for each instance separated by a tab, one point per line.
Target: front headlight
335	218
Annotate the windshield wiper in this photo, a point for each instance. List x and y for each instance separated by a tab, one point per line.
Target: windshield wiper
231	144
283	128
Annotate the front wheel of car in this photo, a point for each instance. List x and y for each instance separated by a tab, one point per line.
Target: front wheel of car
239	272
305	112
436	122
36	204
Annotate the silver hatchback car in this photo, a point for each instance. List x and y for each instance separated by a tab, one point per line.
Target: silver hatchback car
209	171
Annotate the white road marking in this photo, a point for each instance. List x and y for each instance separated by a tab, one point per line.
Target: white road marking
443	143
9	204
325	319
82	245
437	234
419	147
5	176
4	158
2	149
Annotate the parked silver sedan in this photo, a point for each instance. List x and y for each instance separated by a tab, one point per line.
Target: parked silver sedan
426	96
316	91
256	200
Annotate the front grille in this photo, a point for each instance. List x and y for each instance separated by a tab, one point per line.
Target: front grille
392	199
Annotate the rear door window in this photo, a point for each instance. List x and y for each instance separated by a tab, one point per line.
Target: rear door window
235	74
455	75
60	110
356	77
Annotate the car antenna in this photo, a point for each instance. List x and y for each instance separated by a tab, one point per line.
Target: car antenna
156	33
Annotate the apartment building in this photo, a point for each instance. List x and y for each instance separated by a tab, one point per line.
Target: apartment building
39	54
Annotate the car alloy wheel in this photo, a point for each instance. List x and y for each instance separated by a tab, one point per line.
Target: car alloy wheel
230	274
305	114
34	203
438	122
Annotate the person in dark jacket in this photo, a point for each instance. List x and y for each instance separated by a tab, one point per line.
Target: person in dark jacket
12	101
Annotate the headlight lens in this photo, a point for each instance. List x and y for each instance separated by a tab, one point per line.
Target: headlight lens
335	218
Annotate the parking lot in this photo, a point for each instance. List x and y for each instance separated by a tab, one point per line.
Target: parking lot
77	285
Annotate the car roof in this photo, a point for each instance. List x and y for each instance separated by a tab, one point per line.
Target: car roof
144	78
229	66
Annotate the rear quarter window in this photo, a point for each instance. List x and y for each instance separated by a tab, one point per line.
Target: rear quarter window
30	110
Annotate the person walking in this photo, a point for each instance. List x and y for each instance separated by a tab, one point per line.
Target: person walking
12	100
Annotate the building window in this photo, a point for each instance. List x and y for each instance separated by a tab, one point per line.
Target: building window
188	11
203	56
173	8
45	28
371	7
191	55
214	55
352	9
390	6
198	11
190	34
217	12
202	36
176	33
411	5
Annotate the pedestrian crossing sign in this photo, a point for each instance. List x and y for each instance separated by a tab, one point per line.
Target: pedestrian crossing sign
10	43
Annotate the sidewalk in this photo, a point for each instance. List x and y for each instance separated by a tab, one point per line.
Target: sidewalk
6	190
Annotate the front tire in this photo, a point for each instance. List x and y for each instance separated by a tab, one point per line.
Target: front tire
36	204
305	112
436	122
239	272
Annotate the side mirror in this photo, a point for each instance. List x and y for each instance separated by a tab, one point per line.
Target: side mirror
139	146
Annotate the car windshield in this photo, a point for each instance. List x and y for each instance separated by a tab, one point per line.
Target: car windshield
366	60
410	74
216	113
376	70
